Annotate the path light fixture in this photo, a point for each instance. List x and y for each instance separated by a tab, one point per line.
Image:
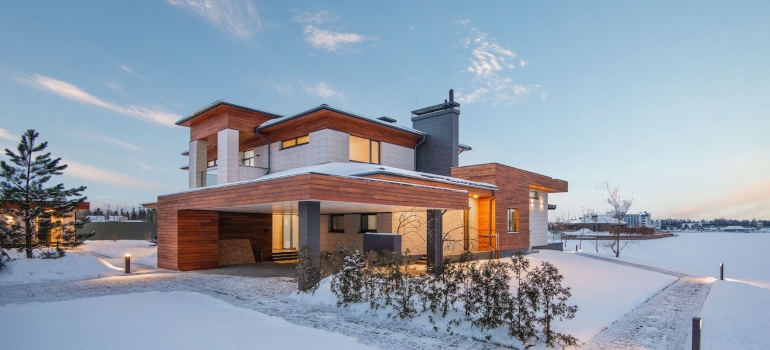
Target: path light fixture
697	325
721	272
128	263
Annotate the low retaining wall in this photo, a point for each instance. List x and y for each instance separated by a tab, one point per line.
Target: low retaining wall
120	230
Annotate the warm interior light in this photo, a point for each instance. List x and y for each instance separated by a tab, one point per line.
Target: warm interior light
475	196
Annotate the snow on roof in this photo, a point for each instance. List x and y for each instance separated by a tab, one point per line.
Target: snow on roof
734	228
358	170
362	169
327	107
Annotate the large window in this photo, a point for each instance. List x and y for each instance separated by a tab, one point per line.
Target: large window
295	142
248	158
513	220
364	150
368	222
336	223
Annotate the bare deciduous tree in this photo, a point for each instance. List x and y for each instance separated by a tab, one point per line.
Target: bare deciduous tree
618	209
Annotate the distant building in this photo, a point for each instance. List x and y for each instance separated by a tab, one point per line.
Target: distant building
735	229
639	220
657	224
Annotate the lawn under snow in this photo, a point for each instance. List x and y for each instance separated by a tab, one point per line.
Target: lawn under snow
603	292
142	252
735	311
156	320
699	254
78	264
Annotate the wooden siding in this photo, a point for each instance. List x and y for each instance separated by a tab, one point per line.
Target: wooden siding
325	119
180	249
513	192
257	228
225	117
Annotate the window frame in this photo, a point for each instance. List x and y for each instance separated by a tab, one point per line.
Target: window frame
370	148
513	220
331	223
297	141
251	160
210	162
365	223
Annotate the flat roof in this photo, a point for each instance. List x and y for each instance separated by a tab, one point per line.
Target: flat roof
273	122
222	103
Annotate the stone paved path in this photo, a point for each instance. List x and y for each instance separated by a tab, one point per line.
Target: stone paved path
662	322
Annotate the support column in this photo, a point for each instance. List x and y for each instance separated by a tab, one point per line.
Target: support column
435	241
309	222
197	162
227	156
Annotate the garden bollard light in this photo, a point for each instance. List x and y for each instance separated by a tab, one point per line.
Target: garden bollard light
721	272
696	327
128	263
576	247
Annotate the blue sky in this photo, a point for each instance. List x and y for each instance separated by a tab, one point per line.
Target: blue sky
667	100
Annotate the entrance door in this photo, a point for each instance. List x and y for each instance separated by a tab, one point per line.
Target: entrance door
290	231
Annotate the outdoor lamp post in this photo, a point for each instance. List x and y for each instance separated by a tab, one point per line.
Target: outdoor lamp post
721	272
128	263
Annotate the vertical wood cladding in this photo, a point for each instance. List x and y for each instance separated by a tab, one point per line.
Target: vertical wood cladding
257	228
513	192
197	240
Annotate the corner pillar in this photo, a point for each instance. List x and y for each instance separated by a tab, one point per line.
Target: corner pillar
309	221
435	241
197	163
227	156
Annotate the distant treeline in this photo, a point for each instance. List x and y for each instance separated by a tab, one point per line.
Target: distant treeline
142	214
721	222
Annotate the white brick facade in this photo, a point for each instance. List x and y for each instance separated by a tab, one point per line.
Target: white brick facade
397	156
538	220
324	146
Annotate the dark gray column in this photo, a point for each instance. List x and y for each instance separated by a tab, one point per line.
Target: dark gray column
310	225
309	222
435	241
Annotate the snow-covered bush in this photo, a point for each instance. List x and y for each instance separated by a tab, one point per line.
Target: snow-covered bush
549	300
348	283
48	253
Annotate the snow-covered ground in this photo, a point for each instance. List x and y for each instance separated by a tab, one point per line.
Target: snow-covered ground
142	252
735	312
155	320
613	300
744	255
94	259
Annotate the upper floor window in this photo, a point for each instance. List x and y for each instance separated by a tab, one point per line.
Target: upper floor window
211	163
364	150
513	220
248	158
295	141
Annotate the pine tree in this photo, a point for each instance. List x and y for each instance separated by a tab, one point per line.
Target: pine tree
37	209
549	299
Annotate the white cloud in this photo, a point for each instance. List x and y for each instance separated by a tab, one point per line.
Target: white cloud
72	92
323	90
285	89
4	134
324	39
110	140
316	18
491	65
129	70
141	165
237	18
330	41
91	173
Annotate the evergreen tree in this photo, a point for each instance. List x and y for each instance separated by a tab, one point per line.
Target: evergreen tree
549	299
37	210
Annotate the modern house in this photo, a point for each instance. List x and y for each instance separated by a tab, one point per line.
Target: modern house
326	177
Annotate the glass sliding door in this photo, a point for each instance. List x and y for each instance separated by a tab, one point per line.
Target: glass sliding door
290	231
